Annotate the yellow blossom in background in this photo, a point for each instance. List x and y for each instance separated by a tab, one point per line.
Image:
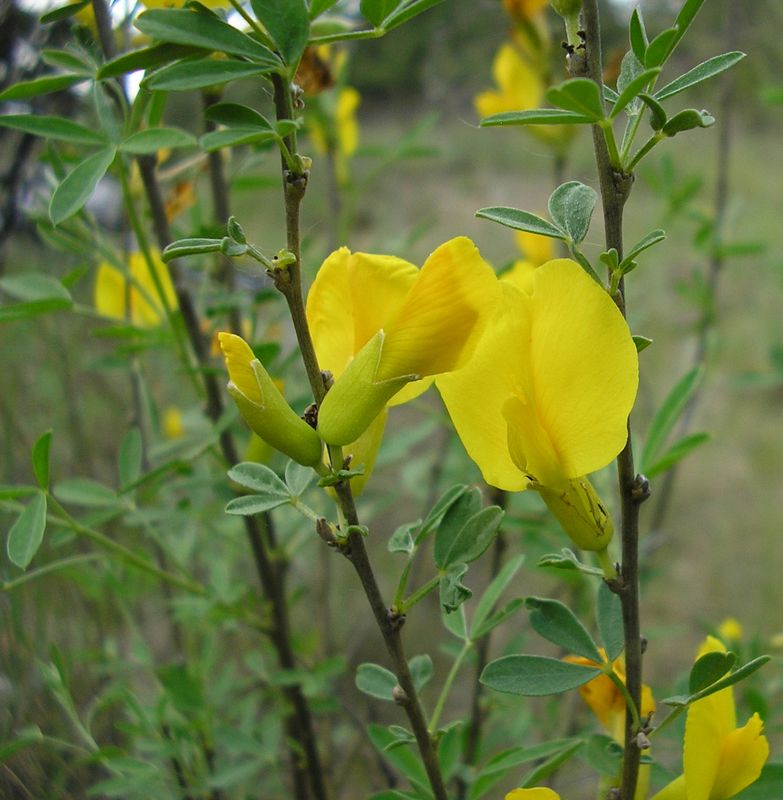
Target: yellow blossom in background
605	699
524	9
537	250
730	630
719	759
336	129
520	87
380	324
546	397
538	793
173	428
263	407
135	300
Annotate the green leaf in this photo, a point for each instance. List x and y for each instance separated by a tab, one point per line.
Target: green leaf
454	623
17	311
376	11
493	592
251	504
38	86
191	247
566	559
536	116
676	453
259	479
558	624
63	12
148	58
27	532
496	768
609	616
202	73
40	458
465	506
637	34
288	23
235	115
657	113
707	69
129	458
497	617
709	668
580	95
77	187
421	671
641	342
34	286
652	238
667	415
684	19
407	11
234	137
632	90
475	536
401	541
733	677
453	593
449	751
317	7
298	478
203	30
660	47
687	120
52	128
543	771
444	503
26	737
403	758
185	690
75	62
85	492
535	676
154	139
571	208
521	221
376	681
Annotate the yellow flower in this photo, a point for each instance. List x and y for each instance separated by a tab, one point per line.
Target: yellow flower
520	87
137	300
606	701
173	427
262	406
336	129
537	250
546	397
524	9
730	630
379	324
719	759
539	793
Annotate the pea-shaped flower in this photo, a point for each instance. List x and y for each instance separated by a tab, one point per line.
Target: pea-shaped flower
262	406
545	399
719	759
380	324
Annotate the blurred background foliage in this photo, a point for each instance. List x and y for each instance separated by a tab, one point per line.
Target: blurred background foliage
93	637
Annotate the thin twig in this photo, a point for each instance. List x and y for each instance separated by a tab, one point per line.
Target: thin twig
290	285
615	188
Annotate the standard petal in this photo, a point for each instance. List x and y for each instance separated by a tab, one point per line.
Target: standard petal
519	84
345	119
352	297
584	369
475	395
539	793
674	791
704	732
443	315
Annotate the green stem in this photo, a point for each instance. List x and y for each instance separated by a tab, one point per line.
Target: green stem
673	715
373	33
402	585
444	693
419	595
48	569
629	703
611	144
644	149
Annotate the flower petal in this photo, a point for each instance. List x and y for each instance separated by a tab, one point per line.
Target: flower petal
743	754
146	306
539	793
584	367
239	357
674	791
443	315
110	288
351	299
475	394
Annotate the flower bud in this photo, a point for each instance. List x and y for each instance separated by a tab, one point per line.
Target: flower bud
262	406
